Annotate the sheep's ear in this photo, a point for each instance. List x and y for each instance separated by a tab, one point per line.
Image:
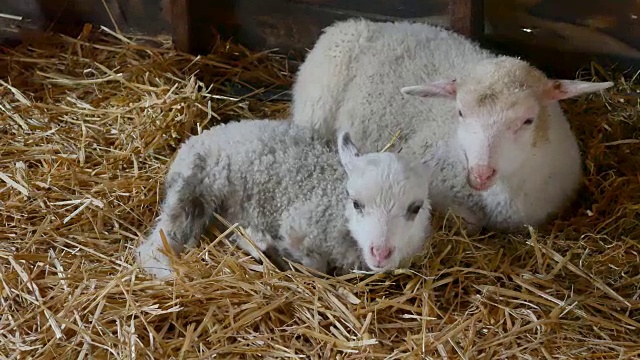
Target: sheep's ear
442	88
563	89
347	150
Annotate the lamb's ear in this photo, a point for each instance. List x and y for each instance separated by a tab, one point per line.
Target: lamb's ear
347	150
563	89
442	88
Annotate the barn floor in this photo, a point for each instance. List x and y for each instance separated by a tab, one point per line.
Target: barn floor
88	126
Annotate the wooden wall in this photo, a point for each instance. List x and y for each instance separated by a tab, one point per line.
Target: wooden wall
293	25
564	35
68	16
559	36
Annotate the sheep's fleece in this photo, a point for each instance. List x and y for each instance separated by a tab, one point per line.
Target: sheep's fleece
375	78
285	185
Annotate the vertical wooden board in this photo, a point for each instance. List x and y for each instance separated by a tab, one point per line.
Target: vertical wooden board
181	29
467	17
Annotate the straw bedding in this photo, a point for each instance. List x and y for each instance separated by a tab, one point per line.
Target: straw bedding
88	126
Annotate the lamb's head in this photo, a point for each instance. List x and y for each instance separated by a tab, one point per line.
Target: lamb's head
387	206
503	115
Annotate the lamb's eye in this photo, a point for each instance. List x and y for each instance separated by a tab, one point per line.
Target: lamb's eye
529	121
460	113
414	209
358	206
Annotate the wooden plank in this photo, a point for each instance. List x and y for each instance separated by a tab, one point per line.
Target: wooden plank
292	26
180	13
467	17
570	42
386	8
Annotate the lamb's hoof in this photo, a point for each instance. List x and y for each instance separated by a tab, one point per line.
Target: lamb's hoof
157	265
159	273
471	228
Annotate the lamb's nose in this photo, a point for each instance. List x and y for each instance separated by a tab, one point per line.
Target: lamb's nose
381	253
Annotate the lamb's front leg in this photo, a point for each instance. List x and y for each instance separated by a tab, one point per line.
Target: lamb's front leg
300	236
474	218
262	241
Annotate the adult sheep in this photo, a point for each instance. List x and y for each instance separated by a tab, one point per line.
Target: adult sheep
505	154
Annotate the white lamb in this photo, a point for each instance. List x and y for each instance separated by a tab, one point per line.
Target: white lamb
318	201
505	153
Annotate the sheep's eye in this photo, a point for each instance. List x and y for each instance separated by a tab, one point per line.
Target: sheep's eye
460	113
358	206
529	121
414	209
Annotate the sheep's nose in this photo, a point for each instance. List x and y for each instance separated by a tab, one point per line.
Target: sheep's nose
481	176
381	253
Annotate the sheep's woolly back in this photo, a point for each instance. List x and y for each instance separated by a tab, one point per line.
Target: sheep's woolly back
348	78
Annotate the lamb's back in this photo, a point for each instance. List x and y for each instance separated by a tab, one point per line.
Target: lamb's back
269	165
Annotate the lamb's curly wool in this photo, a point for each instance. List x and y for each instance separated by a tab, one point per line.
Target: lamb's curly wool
288	188
505	153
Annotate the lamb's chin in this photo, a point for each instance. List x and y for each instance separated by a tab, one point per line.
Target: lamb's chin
376	269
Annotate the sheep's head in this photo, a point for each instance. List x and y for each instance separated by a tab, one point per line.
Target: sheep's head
388	208
502	111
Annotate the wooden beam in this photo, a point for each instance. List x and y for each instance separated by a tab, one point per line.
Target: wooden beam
467	17
180	11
